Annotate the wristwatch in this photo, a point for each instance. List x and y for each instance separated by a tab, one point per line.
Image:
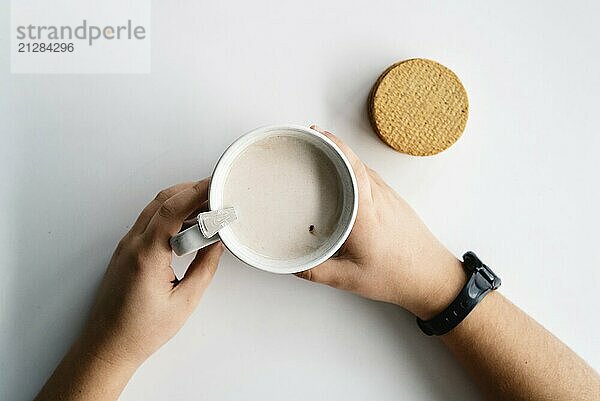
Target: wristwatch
481	280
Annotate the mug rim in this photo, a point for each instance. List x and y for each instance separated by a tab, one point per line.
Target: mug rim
219	166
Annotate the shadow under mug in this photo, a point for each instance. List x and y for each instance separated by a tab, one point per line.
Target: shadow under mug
192	239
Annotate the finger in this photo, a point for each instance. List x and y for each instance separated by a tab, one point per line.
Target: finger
200	273
376	177
360	169
330	273
356	163
192	218
168	219
144	218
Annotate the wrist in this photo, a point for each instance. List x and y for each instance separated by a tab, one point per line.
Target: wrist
443	281
107	351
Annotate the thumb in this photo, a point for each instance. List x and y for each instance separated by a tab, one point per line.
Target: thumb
330	272
200	272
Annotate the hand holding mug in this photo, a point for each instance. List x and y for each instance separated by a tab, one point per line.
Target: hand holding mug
390	255
141	304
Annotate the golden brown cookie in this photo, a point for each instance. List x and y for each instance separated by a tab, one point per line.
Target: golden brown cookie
418	107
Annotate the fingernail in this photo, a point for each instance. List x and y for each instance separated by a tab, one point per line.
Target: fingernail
316	127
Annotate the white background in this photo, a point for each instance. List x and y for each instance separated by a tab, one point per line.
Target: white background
81	155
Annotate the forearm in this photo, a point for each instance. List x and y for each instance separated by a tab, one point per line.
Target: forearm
513	357
86	375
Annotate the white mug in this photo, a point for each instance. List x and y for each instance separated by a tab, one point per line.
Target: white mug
192	239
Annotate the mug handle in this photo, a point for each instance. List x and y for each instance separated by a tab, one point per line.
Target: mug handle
204	232
190	240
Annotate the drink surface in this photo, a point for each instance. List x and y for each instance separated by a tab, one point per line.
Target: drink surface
286	195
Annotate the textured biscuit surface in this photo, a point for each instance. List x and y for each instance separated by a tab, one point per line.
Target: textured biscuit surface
418	107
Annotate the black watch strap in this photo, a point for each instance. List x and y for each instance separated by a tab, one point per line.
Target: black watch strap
481	280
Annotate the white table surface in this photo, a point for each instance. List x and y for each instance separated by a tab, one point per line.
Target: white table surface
82	154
